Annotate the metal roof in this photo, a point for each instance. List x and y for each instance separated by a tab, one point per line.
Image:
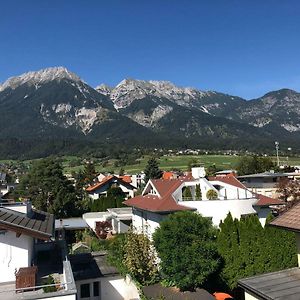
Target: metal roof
38	224
281	285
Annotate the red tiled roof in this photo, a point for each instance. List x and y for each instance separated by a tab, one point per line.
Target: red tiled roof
99	184
289	219
126	178
167	175
163	203
104	181
155	203
266	201
165	187
229	180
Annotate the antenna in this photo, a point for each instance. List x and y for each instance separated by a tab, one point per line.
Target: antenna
277	149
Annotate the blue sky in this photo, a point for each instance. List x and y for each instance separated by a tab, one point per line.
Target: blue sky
244	48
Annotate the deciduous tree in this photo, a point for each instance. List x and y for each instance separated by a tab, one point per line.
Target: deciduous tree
186	246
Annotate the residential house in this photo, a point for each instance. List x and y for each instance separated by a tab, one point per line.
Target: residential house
29	256
101	187
162	197
283	284
263	183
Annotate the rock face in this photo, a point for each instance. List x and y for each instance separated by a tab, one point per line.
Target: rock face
56	103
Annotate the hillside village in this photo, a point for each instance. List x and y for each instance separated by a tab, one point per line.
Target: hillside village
120	236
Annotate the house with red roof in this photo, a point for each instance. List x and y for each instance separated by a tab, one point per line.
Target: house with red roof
100	188
161	197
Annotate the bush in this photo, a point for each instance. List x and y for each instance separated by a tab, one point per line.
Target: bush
49	289
211	195
186	245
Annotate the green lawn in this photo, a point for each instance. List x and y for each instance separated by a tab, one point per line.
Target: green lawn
74	163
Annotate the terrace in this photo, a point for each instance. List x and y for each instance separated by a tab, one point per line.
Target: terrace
51	262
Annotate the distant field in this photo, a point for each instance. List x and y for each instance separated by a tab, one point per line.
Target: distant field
181	162
222	162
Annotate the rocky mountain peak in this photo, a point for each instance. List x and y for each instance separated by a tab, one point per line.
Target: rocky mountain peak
104	89
41	76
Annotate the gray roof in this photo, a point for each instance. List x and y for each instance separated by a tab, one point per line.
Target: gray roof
156	290
71	224
281	285
264	174
91	265
121	210
38	224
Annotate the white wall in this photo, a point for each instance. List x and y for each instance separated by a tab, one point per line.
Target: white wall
250	297
92	218
111	288
263	213
218	209
15	253
146	222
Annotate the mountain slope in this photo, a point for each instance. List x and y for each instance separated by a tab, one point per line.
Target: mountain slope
54	104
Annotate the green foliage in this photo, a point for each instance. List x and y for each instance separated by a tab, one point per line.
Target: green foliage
212	170
116	253
140	258
114	198
186	245
187	194
198	192
50	190
89	172
211	195
134	254
248	249
152	170
254	164
49	289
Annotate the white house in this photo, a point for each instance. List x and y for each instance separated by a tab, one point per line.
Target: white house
120	218
162	197
24	234
101	187
20	225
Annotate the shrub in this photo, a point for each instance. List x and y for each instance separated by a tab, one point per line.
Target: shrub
211	195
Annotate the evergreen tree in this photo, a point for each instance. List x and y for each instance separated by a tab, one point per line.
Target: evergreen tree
229	249
187	194
50	190
248	249
198	192
89	172
152	170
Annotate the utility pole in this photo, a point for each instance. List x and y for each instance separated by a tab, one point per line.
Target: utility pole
277	149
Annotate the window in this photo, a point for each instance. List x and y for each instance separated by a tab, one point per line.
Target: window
96	288
85	290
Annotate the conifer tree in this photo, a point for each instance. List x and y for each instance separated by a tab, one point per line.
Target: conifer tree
187	194
198	192
228	247
152	170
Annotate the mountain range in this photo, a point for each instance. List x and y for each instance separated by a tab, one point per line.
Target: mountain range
55	105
